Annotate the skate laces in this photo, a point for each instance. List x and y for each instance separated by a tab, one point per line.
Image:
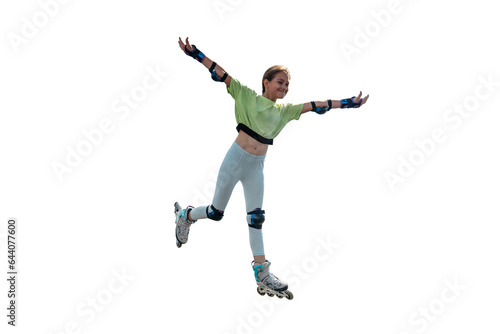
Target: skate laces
267	276
183	226
184	229
271	279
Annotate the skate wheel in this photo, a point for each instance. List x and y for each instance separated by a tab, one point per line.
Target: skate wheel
260	292
179	245
280	296
270	294
289	295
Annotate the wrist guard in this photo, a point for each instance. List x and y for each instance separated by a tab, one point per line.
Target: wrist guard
215	77
349	103
196	54
319	110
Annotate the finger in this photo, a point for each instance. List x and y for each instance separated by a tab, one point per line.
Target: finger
357	98
190	48
365	99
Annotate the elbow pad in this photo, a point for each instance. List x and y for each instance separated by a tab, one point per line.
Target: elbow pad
319	110
215	77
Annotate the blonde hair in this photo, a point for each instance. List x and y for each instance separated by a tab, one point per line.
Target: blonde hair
271	72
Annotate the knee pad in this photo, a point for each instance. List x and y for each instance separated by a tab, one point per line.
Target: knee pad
256	218
215	214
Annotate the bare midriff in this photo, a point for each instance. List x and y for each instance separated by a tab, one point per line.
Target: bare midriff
250	145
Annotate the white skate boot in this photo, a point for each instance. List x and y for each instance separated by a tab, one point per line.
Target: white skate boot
182	224
268	283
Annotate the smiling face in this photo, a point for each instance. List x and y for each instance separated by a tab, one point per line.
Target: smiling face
277	87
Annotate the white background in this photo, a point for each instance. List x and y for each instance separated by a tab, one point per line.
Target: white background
324	174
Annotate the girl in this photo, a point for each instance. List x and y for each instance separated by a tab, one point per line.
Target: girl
260	119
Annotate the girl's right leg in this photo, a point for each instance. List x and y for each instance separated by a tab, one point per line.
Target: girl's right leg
228	177
229	174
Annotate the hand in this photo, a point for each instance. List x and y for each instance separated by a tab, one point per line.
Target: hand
183	46
358	98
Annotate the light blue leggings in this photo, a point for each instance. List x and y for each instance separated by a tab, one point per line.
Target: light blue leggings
238	165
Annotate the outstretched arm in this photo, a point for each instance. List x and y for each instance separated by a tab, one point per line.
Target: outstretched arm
357	102
207	62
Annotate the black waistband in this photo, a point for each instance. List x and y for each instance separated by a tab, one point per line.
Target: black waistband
253	134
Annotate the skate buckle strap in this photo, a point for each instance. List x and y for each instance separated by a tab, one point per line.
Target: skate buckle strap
257	268
185	213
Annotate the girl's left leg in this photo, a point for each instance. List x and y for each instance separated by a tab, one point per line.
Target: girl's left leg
253	187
